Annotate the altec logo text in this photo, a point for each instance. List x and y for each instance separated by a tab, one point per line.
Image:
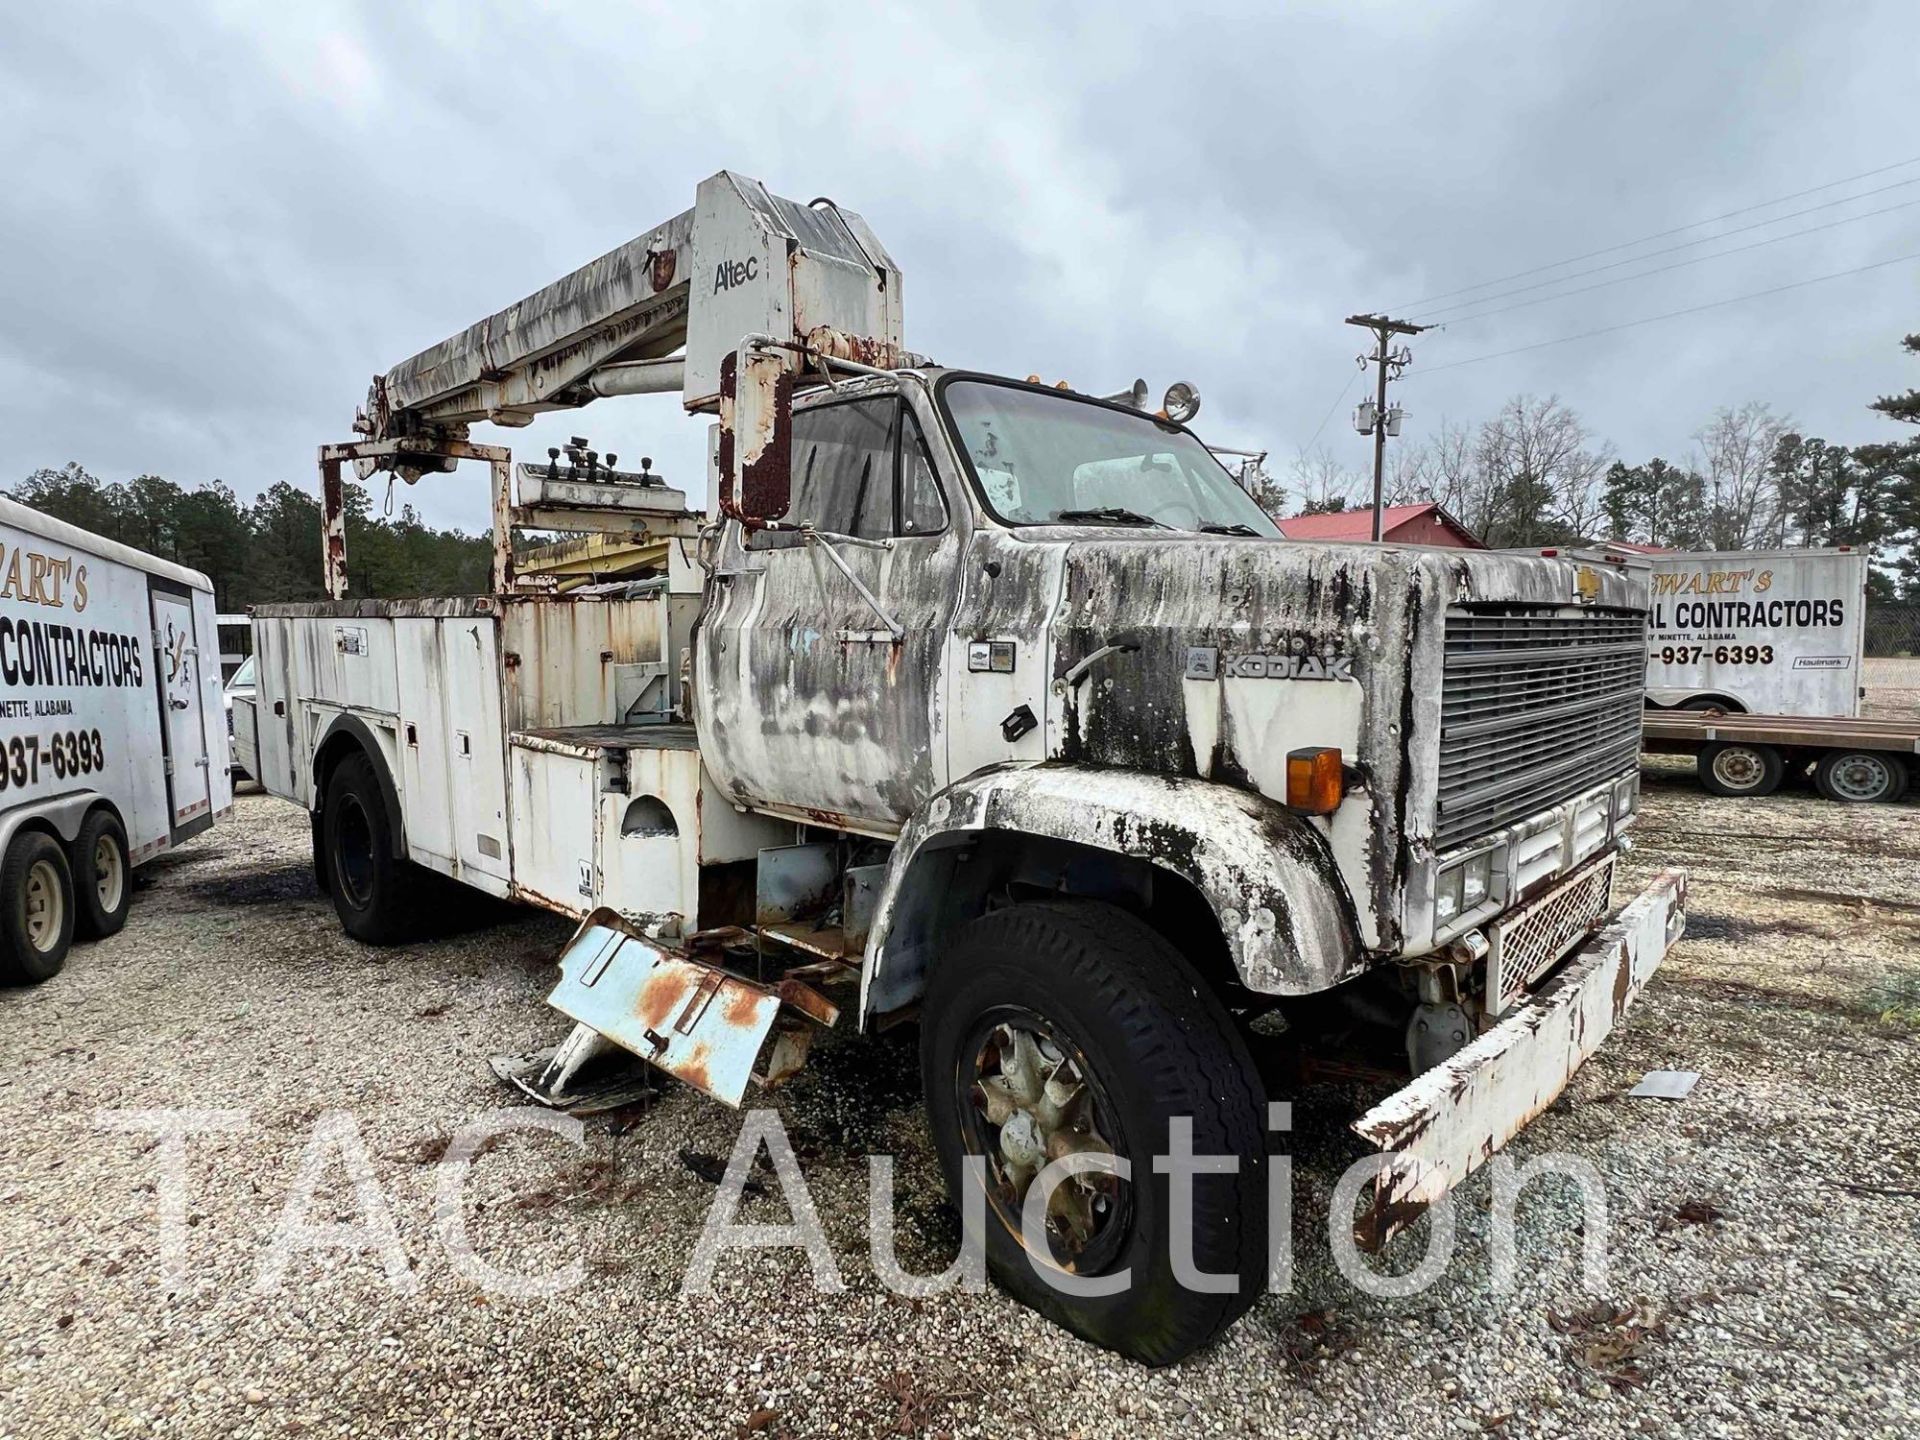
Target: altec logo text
729	273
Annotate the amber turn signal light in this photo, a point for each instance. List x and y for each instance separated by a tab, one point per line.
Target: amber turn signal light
1314	784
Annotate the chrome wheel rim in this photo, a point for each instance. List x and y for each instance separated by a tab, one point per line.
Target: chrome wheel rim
1031	1098
46	906
109	872
1862	777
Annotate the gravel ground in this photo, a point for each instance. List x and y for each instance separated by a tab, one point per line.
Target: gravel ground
1762	1273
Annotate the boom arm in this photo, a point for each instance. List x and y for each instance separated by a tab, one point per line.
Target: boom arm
542	353
744	273
742	261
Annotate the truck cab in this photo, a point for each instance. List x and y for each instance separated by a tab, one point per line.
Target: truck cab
1023	578
993	705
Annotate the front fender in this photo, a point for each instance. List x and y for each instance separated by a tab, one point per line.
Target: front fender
1266	872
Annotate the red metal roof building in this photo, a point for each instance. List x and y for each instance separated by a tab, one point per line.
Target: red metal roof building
1426	524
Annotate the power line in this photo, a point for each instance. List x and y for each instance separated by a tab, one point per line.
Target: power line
1677	265
1662	234
1671	314
1330	409
1674	249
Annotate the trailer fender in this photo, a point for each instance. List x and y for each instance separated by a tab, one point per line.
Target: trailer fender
344	733
63	815
1266	872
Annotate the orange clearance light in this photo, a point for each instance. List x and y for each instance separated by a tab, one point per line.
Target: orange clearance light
1313	779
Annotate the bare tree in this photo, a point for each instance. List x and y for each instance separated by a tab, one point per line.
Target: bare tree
1737	447
1409	473
1323	482
1537	472
1452	475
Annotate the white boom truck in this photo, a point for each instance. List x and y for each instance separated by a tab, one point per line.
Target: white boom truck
110	719
1001	705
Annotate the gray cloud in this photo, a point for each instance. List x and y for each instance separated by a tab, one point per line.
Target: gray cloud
218	221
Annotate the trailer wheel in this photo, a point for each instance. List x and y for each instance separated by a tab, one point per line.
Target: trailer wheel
373	890
102	877
1860	776
1729	768
36	909
1073	1027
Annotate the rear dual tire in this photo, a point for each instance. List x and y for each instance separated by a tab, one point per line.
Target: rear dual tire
1859	777
376	894
102	877
36	909
52	894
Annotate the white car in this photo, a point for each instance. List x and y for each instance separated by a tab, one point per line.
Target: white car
241	687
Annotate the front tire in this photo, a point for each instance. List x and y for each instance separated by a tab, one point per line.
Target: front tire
102	877
374	892
1067	1026
1740	770
36	909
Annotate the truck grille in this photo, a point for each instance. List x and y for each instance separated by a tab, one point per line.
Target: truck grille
1526	945
1537	703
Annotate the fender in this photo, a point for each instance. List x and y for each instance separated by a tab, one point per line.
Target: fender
347	724
1266	872
63	813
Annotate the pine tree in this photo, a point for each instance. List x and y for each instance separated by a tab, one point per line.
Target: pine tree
1895	470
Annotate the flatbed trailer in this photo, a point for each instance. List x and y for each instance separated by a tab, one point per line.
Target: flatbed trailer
1854	758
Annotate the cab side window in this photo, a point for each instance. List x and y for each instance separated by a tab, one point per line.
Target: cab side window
859	468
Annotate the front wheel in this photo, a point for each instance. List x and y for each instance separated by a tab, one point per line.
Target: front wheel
1860	776
1073	1028
1730	768
36	909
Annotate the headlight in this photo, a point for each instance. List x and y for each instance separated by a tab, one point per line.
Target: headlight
1624	796
1466	885
1477	879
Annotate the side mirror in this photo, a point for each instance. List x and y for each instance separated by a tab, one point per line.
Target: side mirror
755	460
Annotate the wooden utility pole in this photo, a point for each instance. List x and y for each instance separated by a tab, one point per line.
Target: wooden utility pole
1384	360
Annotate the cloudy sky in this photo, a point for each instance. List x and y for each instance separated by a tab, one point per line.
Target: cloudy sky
218	220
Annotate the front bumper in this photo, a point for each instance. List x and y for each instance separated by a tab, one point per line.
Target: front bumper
1451	1119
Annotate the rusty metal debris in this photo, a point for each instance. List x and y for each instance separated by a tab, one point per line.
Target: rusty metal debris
698	1022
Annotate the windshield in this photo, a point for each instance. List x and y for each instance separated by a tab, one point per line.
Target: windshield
1043	457
243	676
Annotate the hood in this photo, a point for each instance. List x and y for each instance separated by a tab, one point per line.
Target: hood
1238	651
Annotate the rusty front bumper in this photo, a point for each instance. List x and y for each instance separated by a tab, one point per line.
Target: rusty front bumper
1451	1120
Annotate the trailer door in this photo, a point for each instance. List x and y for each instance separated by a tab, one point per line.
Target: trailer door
182	724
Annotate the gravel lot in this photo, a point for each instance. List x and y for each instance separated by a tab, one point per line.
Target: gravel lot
1763	1276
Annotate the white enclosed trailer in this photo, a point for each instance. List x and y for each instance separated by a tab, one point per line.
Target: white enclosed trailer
1767	632
1754	668
109	728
